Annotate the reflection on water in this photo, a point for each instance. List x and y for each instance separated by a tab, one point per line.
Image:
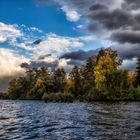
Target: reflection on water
35	120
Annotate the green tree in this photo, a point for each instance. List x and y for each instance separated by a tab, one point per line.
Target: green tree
77	79
59	80
13	91
18	88
41	82
88	75
138	73
117	84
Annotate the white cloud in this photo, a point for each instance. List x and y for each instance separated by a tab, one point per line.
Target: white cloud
63	63
35	29
9	32
10	63
55	44
71	14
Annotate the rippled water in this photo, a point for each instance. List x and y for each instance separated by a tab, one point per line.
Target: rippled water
35	120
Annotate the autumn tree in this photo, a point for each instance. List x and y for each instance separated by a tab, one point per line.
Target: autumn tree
41	82
107	62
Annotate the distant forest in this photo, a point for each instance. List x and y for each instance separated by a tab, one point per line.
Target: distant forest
99	79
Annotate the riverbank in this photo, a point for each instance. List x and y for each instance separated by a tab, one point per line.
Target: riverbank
69	98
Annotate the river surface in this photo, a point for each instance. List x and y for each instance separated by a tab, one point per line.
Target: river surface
36	120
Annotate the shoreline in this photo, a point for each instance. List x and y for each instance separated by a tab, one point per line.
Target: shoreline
76	101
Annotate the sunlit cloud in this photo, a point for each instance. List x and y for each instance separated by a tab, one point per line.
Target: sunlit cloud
10	63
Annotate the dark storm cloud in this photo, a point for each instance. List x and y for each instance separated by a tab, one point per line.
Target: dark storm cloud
116	20
38	64
131	4
127	36
128	51
80	55
53	65
123	23
98	7
111	19
106	15
77	58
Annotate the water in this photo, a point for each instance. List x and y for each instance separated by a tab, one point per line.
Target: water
35	120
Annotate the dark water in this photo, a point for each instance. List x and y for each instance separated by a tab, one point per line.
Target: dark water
34	120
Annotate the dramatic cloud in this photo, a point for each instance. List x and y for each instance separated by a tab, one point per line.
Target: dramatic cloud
55	44
114	20
128	51
48	61
80	55
132	4
66	61
127	36
9	66
10	63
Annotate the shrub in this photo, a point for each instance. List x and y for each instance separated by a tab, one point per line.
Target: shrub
134	94
58	97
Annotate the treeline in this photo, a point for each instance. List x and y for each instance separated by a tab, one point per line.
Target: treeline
99	79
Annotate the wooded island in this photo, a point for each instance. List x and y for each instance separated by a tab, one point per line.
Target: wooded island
101	78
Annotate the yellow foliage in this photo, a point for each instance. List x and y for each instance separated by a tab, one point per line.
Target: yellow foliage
105	65
40	82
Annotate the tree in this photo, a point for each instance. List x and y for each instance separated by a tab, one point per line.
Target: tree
138	73
117	84
88	80
41	82
13	92
59	80
107	62
18	88
77	79
88	75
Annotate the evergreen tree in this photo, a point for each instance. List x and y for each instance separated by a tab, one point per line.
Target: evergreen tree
88	75
59	80
77	78
138	72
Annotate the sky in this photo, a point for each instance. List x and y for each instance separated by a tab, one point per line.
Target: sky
64	33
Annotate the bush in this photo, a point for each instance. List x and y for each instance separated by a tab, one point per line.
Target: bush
58	97
3	95
134	94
